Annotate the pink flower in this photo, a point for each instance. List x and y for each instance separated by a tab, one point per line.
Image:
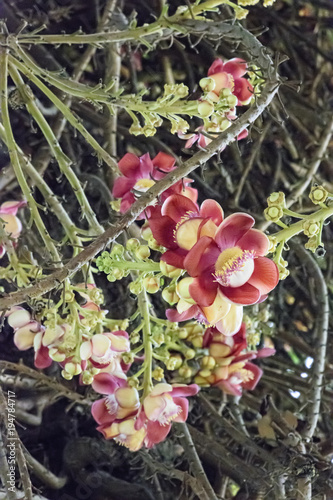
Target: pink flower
224	259
203	140
167	403
12	224
233	371
141	173
121	404
103	347
229	75
164	404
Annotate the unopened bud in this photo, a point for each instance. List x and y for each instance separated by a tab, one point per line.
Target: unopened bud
207	84
208	362
149	130
205	109
146	232
273	213
318	194
185	372
142	252
196	340
132	244
87	378
158	374
117	250
170	271
135	287
170	296
189	353
277	200
311	228
151	284
174	362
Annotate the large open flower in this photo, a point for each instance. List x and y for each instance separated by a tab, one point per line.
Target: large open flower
141	173
230	75
225	257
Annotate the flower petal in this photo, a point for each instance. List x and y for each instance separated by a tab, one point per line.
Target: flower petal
104	383
121	186
156	432
176	206
129	165
244	295
265	276
201	256
163	231
231	323
100	413
203	290
257	372
175	257
175	316
163	162
254	240
184	390
211	209
243	90
216	67
232	229
236	67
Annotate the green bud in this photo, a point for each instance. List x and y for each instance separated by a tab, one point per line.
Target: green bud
132	244
117	250
310	227
135	287
277	200
205	109
142	252
273	213
207	84
318	194
149	130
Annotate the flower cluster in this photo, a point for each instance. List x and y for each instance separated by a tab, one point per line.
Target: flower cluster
224	82
224	260
12	224
228	363
140	173
121	416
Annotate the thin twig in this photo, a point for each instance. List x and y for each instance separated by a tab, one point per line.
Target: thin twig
195	463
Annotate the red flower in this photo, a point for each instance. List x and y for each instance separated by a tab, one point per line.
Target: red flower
230	75
222	255
141	173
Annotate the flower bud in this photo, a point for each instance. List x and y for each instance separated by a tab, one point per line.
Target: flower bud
207	84
185	372
169	294
272	244
56	355
149	130
73	368
117	273
182	333
117	250
152	243
189	353
232	101
142	252
146	232
318	194
128	358
205	109
133	382
277	200
208	362
170	271
311	228
174	362
69	296
273	213
135	287
151	284
196	341
158	374
87	378
201	381
66	375
136	129
132	244
205	373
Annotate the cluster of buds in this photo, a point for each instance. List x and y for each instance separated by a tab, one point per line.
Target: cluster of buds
11	224
224	89
276	204
228	363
